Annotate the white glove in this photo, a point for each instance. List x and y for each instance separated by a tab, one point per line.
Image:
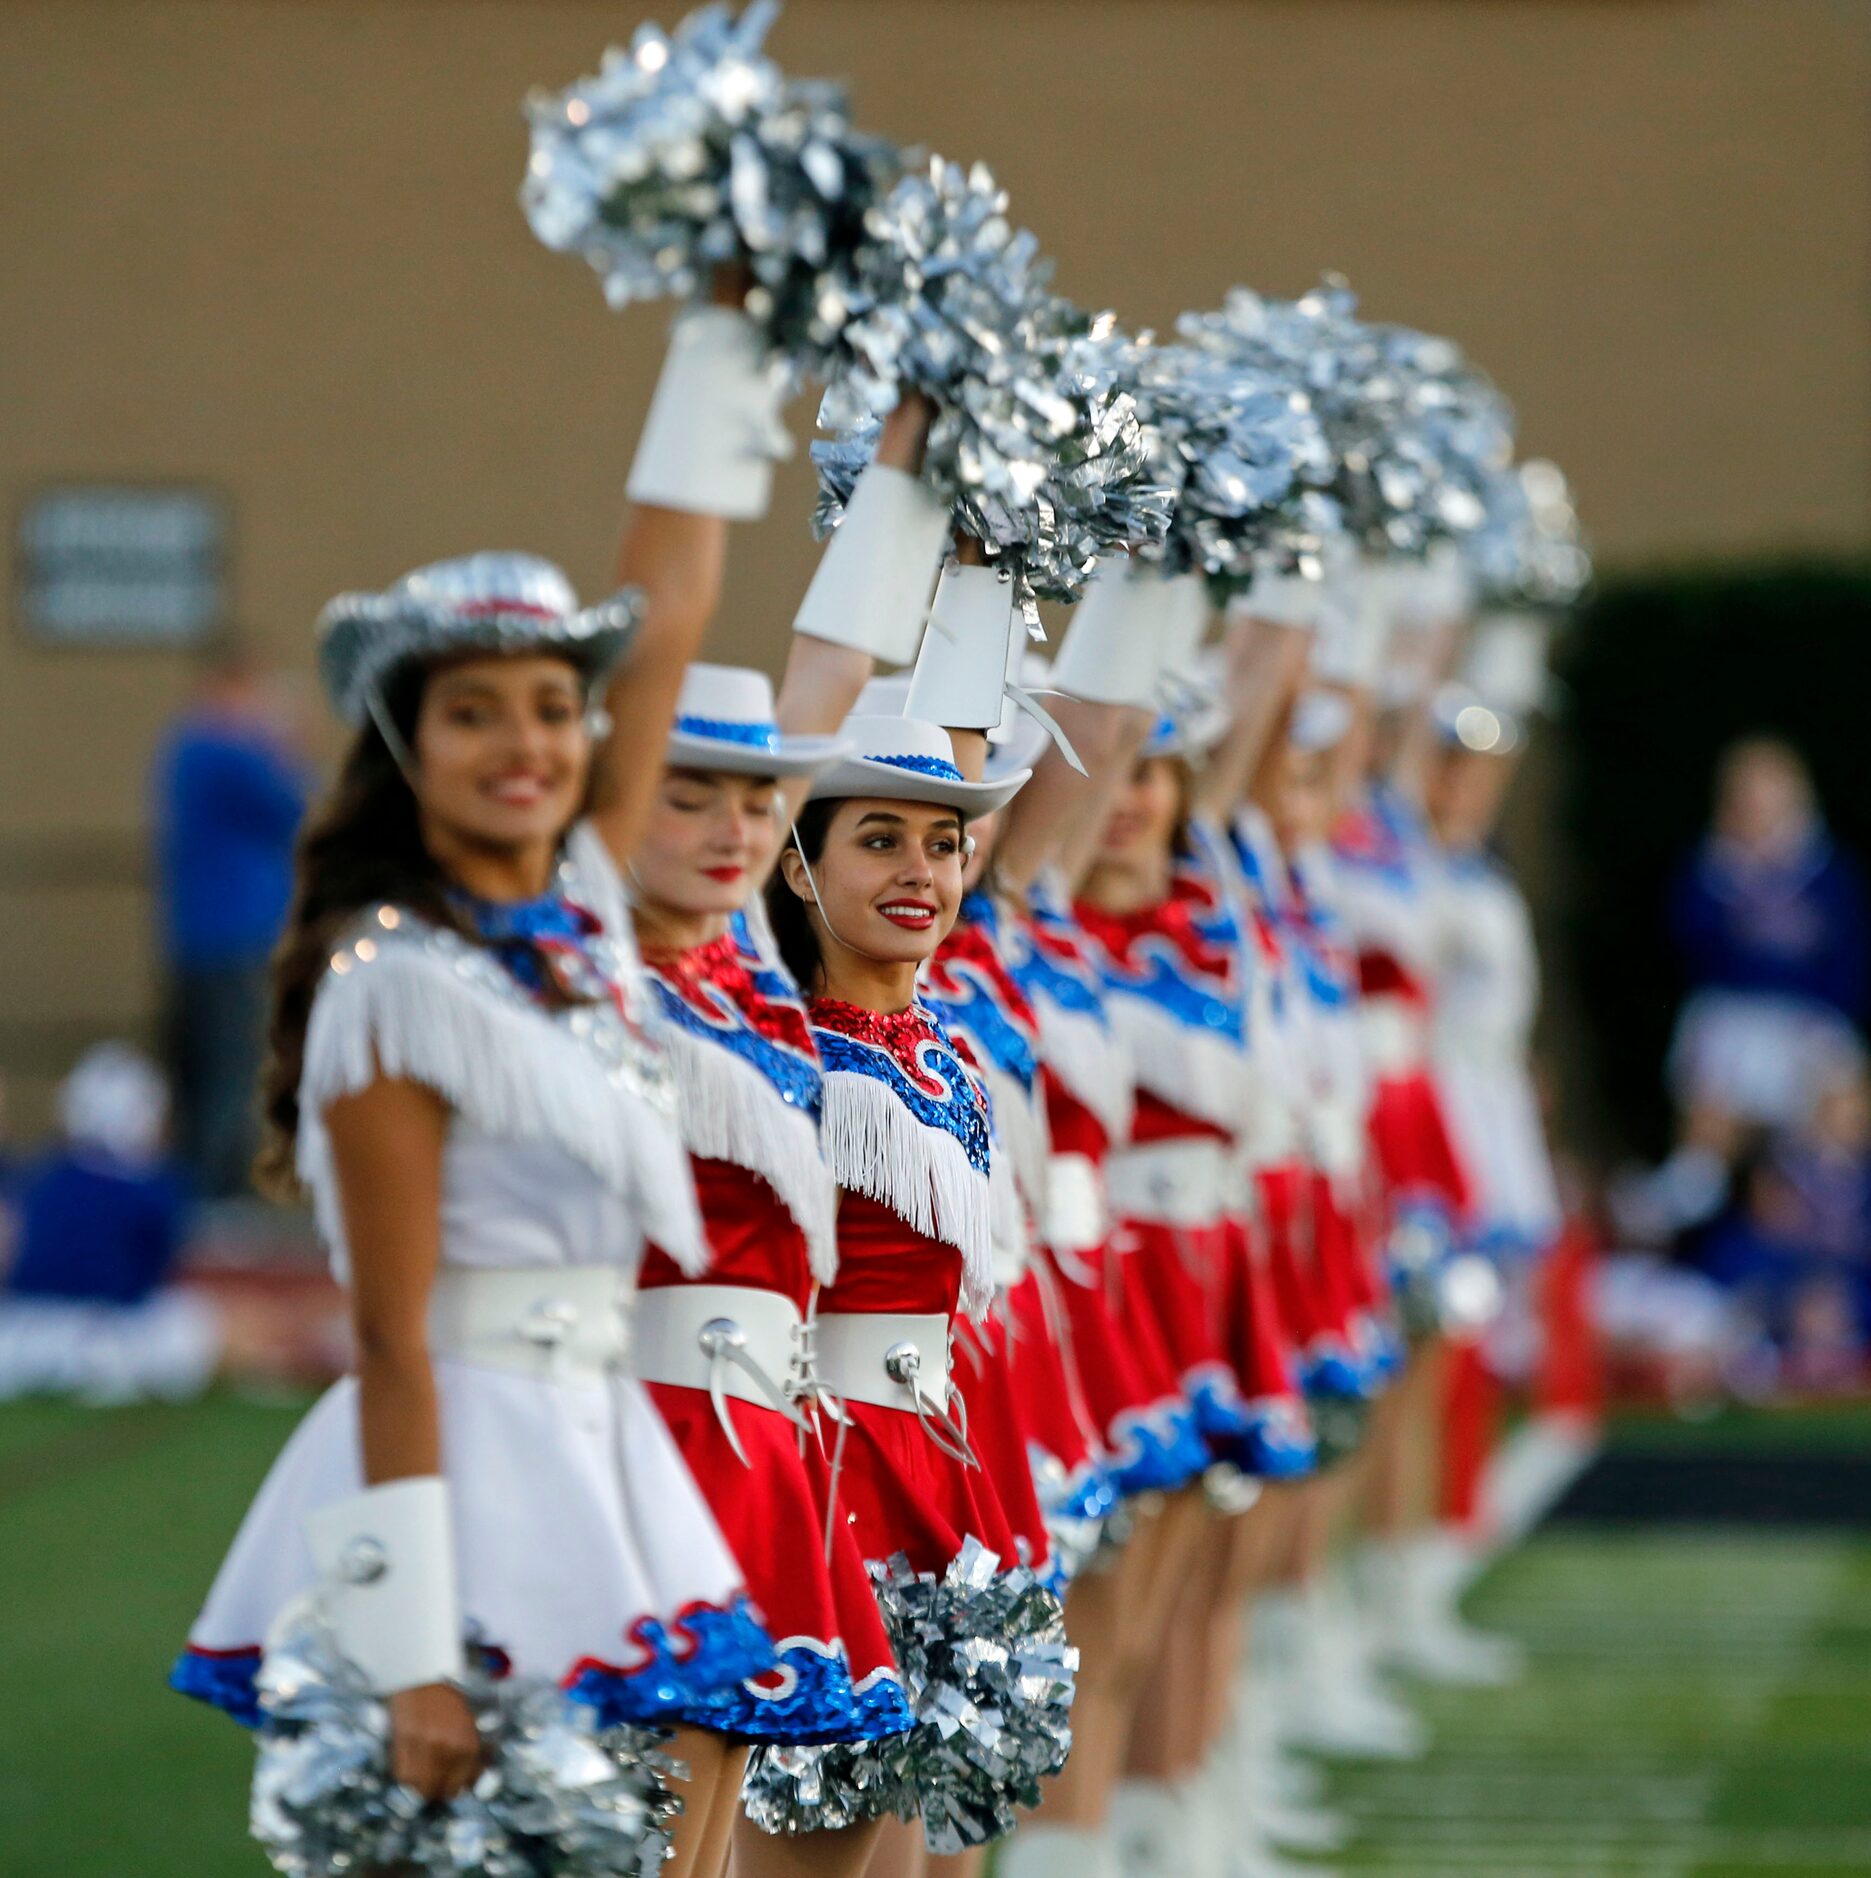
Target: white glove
871	587
1182	625
961	672
714	432
1113	648
1506	662
1438	589
388	1557
1353	632
1283	600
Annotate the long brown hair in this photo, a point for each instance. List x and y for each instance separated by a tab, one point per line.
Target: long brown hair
361	848
786	911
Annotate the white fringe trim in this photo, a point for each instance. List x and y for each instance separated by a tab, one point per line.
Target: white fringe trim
1093	1062
1021	1139
730	1112
876	1147
1193	1070
509	1072
1013	1240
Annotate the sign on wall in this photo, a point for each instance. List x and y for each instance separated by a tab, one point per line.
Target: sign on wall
118	565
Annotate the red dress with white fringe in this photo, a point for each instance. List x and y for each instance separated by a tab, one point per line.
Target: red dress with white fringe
750	1094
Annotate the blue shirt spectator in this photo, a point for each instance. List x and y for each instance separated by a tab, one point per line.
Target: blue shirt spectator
1791	923
229	798
94	1232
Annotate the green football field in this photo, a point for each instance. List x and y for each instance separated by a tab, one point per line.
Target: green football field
1700	1705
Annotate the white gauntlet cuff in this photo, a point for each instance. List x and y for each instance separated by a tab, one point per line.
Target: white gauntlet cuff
871	589
961	672
1113	649
714	432
387	1556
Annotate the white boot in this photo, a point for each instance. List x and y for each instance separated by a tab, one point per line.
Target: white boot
1257	1823
1155	1833
1263	1698
1414	1592
1041	1851
1340	1708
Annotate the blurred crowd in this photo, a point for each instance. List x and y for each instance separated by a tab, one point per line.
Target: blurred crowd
1754	1235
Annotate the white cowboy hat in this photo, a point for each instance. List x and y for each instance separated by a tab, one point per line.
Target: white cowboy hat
500	603
906	760
724	721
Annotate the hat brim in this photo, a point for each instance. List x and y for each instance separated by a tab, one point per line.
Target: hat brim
860	776
365	638
787	756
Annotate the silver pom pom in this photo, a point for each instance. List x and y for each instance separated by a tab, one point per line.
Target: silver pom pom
692	149
1530	551
1415	433
558	1798
1245	453
989	1673
1039	453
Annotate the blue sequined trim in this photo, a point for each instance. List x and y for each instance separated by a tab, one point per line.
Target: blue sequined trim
1333	1373
795	1078
1158	975
956	1113
727	730
224	1682
819	1703
1156	1450
981	1017
1221	1411
935	766
1280	1444
725	1648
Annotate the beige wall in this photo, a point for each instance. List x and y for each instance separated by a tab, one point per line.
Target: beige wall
275	246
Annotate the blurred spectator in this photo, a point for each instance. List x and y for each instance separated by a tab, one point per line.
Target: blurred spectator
1769	919
1794	1251
86	1309
228	791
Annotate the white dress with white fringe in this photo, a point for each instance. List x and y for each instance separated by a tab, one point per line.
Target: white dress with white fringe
585	1552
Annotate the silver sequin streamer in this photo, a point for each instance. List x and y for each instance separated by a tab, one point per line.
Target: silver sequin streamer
691	149
1530	551
989	1673
1038	451
558	1798
1416	433
1245	453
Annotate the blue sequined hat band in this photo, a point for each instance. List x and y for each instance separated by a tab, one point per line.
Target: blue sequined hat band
935	766
728	730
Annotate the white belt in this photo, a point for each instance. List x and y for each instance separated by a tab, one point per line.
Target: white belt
1395	1034
554	1323
1276	1135
1170	1183
896	1361
1338	1137
732	1340
1077	1218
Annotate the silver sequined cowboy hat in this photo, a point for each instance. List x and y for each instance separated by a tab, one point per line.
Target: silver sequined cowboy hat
905	760
499	603
724	721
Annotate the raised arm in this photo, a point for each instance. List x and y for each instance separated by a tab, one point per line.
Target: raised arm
1266	662
868	600
704	460
1058	819
1107	675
